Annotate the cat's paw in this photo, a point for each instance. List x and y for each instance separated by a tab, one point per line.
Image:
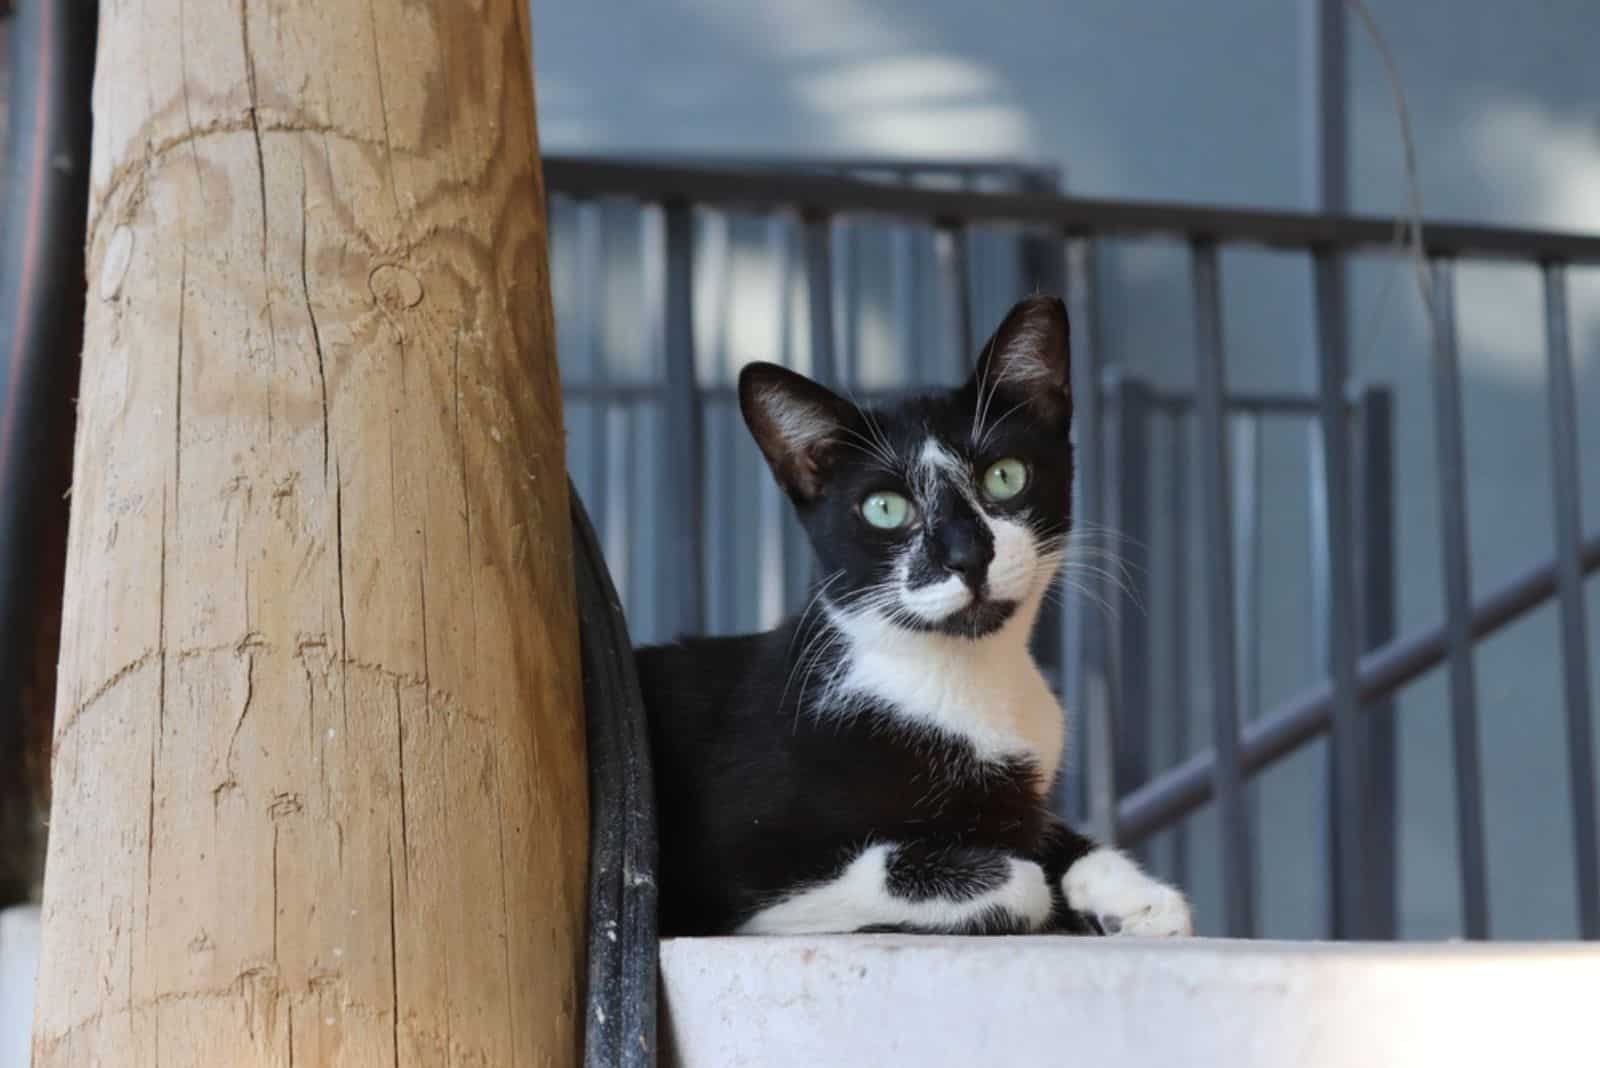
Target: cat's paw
1123	899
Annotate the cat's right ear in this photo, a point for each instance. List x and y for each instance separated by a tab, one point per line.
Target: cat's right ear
798	424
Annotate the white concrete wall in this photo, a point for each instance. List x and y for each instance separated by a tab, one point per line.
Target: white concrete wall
19	957
932	1002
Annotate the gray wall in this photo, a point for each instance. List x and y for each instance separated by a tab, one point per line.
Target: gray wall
1177	100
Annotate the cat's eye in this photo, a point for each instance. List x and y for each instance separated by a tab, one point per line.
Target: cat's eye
1005	479
886	511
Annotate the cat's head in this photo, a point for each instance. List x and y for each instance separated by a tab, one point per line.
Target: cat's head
945	512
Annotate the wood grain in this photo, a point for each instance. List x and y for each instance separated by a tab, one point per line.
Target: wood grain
319	791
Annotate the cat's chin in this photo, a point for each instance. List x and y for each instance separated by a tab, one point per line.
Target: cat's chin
980	619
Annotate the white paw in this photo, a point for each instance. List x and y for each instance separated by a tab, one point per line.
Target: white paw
1113	889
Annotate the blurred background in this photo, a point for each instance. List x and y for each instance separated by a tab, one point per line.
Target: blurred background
1251	104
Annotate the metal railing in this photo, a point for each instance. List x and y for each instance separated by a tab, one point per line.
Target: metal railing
1364	665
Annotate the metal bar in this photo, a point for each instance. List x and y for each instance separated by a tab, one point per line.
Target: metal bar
1323	97
1374	502
846	305
1246	504
1568	501
819	298
903	298
825	195
713	289
1177	553
1238	867
590	298
681	560
899	169
951	250
1297	721
1246	458
1131	520
1450	459
1086	648
795	562
1165	401
1040	268
1348	773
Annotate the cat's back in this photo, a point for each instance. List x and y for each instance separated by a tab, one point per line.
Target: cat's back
696	685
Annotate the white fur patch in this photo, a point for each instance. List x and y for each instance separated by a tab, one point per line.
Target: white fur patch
860	897
1016	570
988	692
937	600
1127	901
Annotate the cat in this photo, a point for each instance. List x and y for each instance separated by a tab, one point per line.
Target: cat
882	761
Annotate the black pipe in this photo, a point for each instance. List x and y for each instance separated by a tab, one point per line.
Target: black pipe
620	1000
41	332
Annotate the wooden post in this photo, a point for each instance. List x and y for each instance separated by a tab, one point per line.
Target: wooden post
319	792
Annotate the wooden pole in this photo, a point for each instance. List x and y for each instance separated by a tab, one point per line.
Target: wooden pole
319	792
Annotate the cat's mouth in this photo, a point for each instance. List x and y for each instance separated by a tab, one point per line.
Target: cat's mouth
981	617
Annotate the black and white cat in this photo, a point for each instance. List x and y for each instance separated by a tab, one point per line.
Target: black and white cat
882	761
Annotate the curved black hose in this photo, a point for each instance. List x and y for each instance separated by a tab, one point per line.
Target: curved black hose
41	328
620	1005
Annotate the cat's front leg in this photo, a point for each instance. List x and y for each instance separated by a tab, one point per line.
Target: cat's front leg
1099	882
917	887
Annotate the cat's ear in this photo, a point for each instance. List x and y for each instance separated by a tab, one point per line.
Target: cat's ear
798	424
1030	356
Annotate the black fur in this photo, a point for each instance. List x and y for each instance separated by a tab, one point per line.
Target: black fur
764	790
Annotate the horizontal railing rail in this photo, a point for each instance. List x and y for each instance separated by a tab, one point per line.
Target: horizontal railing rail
762	189
1176	793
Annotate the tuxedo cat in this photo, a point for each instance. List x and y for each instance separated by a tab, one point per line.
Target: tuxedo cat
882	761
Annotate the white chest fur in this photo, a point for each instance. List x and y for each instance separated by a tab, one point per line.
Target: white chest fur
988	692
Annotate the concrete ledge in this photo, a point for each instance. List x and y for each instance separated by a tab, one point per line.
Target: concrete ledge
19	962
891	1000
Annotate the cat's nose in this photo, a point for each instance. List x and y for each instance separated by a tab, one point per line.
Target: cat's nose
966	553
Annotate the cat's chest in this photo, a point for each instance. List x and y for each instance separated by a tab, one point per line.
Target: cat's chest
999	703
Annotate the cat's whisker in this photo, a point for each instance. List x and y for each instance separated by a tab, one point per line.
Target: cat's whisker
981	412
998	423
1108	578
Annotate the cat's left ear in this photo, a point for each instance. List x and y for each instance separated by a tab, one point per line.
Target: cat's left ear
1030	356
798	424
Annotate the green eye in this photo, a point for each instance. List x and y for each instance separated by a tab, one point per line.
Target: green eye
886	511
1005	479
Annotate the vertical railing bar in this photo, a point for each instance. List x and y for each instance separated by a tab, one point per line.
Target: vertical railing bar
644	579
681	561
1456	563
1131	521
628	505
1238	868
1375	507
1567	491
1085	641
842	251
591	304
1178	546
951	248
1246	432
819	298
731	593
1348	773
796	562
903	297
721	527
785	550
